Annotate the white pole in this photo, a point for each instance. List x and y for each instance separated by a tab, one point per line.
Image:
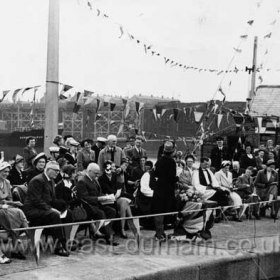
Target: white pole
52	86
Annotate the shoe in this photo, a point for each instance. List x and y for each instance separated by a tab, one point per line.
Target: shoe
4	260
18	256
61	252
123	234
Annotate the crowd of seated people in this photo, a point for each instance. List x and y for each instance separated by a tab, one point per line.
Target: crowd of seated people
82	181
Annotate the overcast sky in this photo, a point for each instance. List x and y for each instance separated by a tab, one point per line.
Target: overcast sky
199	33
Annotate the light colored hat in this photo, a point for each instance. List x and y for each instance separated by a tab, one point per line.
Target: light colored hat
39	156
168	147
4	165
101	139
54	149
73	142
112	137
18	158
225	163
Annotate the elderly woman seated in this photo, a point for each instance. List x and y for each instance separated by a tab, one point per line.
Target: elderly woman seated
224	178
266	184
11	217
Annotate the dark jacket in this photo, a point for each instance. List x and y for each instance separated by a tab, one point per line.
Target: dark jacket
135	156
89	190
245	161
261	179
17	177
64	193
164	193
217	156
40	197
28	154
108	186
31	173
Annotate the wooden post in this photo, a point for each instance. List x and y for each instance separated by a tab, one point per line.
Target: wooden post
52	83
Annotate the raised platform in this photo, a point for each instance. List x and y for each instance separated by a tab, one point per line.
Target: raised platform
247	250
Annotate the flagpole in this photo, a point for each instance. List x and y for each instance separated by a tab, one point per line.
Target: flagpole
52	82
253	75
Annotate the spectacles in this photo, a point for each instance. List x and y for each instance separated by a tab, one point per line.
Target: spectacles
56	170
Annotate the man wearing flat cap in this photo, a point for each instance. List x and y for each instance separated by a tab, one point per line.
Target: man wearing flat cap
266	184
219	154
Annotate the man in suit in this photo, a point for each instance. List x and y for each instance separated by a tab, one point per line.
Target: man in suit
137	152
89	190
111	152
266	184
219	154
29	152
40	205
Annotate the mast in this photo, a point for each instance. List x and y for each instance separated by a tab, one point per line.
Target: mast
52	85
253	75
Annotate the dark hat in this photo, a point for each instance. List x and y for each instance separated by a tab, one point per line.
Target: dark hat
219	138
168	147
69	158
63	150
39	156
68	169
270	162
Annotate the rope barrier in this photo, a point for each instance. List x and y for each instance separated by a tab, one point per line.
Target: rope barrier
223	208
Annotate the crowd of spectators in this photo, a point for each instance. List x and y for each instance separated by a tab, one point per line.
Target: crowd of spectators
87	181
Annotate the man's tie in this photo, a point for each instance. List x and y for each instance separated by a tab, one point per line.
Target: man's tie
112	154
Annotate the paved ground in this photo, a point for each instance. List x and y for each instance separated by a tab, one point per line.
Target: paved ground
127	261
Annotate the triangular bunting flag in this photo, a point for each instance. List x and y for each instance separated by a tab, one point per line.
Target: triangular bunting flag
112	106
267	35
176	112
4	94
259	119
219	119
15	93
163	112
198	116
155	113
127	110
250	22
274	122
120	129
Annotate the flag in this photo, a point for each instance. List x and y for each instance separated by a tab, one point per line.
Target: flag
250	22
121	30
166	59
89	4
112	106
155	113
260	79
15	93
244	36
237	50
267	35
124	103
88	93
175	112
274	122
259	119
77	105
219	119
221	91
98	104
198	116
235	69
273	22
5	92
127	110
163	112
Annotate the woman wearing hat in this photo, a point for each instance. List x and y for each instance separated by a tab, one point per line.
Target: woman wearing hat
17	176
164	194
248	159
224	178
11	216
266	184
39	164
86	155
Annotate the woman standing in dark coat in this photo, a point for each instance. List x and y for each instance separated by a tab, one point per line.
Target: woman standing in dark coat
164	194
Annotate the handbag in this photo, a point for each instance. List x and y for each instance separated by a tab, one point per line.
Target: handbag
79	213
